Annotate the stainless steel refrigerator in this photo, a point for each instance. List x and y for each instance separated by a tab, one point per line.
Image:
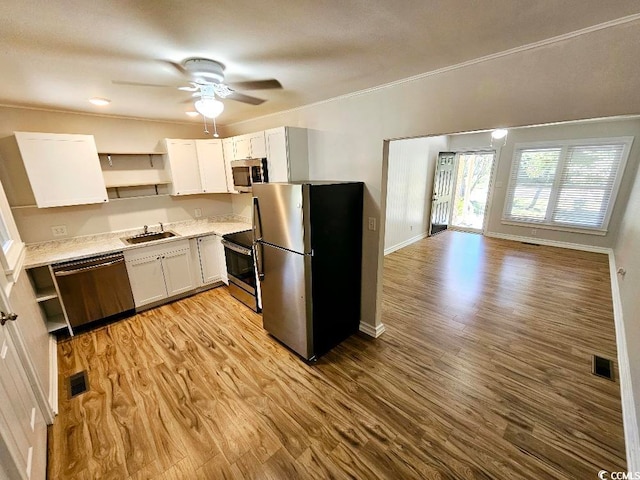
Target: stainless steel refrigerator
308	245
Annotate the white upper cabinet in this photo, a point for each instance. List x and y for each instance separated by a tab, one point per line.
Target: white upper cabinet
196	166
251	145
62	169
228	147
213	173
287	154
184	168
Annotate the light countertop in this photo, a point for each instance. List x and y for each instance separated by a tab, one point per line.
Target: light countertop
45	253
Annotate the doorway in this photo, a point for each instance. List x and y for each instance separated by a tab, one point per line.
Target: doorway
471	191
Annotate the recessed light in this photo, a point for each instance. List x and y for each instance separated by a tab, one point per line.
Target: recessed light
101	102
192	114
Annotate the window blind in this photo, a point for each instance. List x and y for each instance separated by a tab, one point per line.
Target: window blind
567	185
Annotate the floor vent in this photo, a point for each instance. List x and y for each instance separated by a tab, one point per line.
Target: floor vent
78	384
603	367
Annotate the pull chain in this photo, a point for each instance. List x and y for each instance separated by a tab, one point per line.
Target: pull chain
215	129
205	124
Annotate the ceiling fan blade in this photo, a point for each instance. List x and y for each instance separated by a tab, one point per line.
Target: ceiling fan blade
239	97
256	84
177	66
138	84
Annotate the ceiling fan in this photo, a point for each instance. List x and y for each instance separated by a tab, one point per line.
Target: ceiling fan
206	77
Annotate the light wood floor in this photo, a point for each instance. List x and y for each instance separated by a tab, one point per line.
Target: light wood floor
484	372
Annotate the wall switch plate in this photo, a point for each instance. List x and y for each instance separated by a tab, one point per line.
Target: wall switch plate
372	223
197	212
59	231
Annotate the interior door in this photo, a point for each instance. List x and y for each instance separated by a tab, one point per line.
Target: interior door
443	182
23	432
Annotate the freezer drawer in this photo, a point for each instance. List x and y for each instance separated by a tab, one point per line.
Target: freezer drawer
286	298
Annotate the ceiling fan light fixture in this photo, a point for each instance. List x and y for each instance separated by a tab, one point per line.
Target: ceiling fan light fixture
209	107
101	102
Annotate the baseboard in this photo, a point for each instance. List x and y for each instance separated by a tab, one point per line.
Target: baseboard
53	374
406	243
629	414
374	332
548	243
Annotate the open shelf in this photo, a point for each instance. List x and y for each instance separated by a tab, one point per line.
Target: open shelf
57	322
132	153
47	293
44	289
139	184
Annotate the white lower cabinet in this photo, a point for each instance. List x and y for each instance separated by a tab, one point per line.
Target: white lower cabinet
159	272
212	262
176	267
147	280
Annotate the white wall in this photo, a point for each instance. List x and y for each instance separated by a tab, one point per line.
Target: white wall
410	174
590	129
590	75
626	253
35	223
111	135
242	205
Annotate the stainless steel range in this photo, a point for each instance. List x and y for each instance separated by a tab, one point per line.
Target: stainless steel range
241	270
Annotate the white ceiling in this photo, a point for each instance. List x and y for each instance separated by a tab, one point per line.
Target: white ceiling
56	54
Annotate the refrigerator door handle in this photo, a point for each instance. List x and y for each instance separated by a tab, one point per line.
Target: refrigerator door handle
257	221
259	255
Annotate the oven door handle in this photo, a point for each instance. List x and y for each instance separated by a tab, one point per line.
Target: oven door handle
235	248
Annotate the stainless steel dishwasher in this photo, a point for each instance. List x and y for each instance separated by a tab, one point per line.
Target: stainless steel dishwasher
94	288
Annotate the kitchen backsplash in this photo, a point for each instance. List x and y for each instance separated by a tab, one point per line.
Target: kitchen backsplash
35	224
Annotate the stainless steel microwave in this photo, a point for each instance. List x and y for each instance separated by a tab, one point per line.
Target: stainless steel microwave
247	172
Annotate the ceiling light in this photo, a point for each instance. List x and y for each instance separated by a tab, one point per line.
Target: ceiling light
192	114
209	107
499	133
101	102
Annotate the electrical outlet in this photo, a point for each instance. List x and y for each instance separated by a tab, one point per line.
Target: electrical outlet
372	223
534	232
59	231
198	212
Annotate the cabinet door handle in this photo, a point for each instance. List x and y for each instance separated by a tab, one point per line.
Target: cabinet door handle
5	317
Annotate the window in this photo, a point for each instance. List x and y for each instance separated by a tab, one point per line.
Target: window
570	184
12	248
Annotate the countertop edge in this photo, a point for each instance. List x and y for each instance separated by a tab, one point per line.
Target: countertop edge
123	247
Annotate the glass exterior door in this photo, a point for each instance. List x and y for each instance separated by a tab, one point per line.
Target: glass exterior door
471	190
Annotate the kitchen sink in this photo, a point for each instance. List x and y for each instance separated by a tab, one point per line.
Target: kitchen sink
148	237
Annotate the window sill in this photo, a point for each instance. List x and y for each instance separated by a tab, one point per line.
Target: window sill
558	228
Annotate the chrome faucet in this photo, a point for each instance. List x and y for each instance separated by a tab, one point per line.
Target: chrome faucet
161	227
146	229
